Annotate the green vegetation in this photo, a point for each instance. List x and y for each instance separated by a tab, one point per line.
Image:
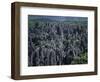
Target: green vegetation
82	59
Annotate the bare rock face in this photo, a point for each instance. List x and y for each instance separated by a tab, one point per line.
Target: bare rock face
57	43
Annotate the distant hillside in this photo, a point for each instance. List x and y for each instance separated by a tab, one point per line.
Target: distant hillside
56	18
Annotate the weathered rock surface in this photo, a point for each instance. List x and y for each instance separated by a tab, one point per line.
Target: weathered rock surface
57	43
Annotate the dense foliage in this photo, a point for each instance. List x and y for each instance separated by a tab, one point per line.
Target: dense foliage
57	43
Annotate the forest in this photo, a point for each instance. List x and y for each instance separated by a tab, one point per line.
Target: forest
57	40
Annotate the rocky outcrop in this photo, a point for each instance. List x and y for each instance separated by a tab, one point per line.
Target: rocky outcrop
56	43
